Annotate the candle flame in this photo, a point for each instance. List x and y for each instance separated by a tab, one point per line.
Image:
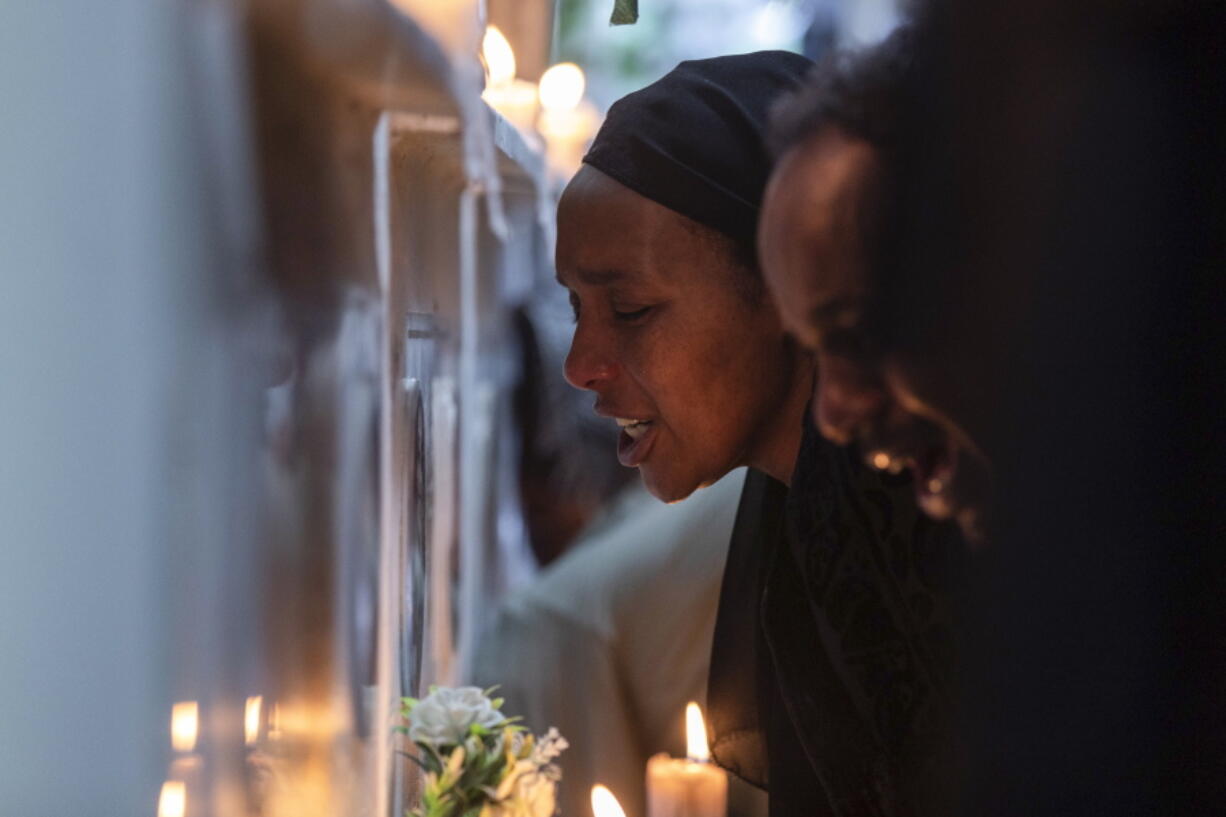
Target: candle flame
251	718
562	87
696	734
184	725
604	804
499	56
172	802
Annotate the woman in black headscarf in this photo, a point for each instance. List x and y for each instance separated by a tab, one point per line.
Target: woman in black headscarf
828	670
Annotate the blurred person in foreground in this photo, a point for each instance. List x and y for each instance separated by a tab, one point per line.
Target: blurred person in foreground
1041	294
1060	245
830	659
822	236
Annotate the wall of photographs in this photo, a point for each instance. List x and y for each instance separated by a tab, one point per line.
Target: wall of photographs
370	497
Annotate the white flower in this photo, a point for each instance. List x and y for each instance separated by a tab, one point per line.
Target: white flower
444	716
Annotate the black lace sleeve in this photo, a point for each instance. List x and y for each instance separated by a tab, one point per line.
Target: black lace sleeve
878	580
832	667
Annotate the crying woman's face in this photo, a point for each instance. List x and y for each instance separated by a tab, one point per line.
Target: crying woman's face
694	368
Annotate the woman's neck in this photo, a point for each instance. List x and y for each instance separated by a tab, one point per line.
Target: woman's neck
776	453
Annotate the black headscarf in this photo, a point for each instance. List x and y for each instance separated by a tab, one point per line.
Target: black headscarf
693	140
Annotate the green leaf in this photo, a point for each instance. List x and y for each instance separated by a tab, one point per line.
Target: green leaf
416	760
625	12
431	758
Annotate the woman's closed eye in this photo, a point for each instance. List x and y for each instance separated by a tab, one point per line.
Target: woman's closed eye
848	343
629	314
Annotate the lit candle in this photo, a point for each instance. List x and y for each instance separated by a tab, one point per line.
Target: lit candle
691	787
567	121
604	804
515	99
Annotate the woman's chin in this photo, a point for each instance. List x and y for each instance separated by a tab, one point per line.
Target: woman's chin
666	484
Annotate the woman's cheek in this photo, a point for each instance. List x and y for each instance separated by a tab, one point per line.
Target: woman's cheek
647	353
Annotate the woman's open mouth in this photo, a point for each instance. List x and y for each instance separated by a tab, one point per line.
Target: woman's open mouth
934	471
934	467
950	479
634	442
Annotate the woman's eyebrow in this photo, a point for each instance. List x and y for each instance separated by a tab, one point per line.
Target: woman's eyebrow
596	277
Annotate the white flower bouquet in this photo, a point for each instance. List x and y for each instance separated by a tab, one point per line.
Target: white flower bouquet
477	761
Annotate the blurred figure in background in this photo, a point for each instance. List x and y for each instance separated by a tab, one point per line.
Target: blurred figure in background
1056	290
613	639
567	476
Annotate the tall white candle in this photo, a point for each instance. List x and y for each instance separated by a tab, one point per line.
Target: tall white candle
516	99
692	787
567	121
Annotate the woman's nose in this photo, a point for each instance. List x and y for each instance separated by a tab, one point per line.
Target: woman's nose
847	396
588	365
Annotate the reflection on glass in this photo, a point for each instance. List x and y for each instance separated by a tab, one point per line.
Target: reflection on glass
173	800
184	725
251	719
274	723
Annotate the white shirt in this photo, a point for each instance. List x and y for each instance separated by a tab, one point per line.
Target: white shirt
611	641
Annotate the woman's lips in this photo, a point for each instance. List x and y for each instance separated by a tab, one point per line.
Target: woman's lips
934	474
933	467
635	441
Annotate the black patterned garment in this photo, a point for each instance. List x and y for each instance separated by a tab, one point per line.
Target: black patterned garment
831	669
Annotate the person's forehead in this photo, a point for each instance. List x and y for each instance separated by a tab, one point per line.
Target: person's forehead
602	242
812	226
608	235
593	193
596	276
825	171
